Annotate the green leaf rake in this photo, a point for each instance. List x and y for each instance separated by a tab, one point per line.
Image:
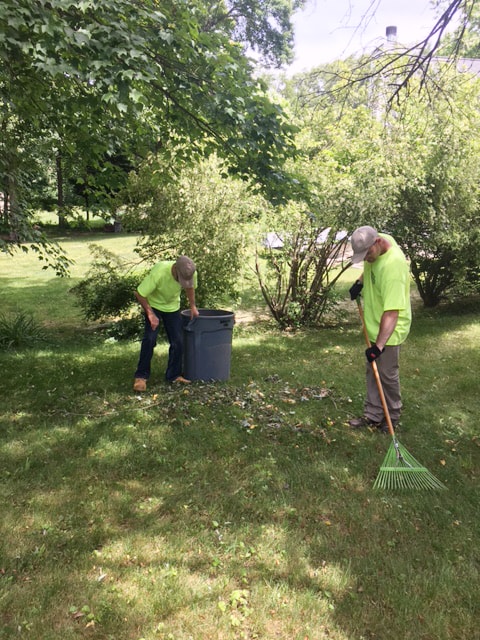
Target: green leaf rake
399	469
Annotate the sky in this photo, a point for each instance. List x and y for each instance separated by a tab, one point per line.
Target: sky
326	30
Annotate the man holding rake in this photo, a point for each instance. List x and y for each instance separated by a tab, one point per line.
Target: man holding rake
385	285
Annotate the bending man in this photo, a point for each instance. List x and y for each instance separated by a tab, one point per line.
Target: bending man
159	296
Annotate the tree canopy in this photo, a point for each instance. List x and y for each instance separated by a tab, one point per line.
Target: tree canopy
92	79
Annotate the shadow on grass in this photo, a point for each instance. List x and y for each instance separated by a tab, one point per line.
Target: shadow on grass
255	481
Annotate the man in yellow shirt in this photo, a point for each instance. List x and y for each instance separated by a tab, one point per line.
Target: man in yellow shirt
159	296
385	284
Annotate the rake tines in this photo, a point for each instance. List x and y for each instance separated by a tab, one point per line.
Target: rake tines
400	470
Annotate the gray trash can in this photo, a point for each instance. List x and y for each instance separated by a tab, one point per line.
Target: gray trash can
207	344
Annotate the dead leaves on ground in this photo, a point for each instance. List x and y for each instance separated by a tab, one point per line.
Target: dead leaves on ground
273	406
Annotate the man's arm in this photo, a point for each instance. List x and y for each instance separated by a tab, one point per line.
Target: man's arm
388	323
191	301
154	321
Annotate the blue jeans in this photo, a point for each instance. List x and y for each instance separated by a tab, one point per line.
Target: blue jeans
174	330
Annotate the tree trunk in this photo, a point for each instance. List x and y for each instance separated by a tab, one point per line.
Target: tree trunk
60	200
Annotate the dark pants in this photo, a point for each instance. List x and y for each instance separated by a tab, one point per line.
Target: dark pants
174	330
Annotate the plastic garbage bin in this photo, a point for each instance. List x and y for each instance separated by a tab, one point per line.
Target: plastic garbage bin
207	344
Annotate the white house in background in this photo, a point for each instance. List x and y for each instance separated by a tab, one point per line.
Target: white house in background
274	240
464	65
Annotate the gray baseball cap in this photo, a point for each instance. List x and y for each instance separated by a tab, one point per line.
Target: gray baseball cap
185	269
362	239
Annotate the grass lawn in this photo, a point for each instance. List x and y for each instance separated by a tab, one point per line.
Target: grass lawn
238	510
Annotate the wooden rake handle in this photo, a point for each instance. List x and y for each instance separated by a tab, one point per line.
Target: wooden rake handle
375	373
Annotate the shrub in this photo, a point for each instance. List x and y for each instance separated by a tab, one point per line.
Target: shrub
127	328
200	213
20	331
107	291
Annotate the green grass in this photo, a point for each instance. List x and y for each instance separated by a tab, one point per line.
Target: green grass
234	510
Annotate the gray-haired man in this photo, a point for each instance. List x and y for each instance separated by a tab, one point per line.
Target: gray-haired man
159	296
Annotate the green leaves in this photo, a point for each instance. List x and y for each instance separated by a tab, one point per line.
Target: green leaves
107	290
437	208
20	331
93	79
216	208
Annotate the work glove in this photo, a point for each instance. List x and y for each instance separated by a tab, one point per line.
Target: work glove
355	289
373	353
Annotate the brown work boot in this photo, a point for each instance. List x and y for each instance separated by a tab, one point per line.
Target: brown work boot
181	380
140	384
363	421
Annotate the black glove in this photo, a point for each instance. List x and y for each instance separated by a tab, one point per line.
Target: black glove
355	289
373	353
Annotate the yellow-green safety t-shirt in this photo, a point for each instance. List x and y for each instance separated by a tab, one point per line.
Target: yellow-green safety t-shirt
386	287
160	287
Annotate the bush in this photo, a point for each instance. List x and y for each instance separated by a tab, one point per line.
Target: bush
107	291
20	331
297	278
127	328
200	213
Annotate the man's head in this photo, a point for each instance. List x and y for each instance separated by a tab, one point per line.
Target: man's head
363	239
185	268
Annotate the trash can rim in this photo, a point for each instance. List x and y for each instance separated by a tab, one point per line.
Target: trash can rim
211	313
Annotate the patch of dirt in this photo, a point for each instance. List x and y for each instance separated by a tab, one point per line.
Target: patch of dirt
251	316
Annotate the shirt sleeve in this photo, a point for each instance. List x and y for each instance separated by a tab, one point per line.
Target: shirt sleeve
147	285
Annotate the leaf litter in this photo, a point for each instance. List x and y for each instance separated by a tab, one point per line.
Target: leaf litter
273	406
